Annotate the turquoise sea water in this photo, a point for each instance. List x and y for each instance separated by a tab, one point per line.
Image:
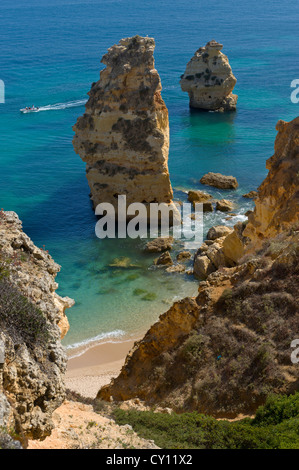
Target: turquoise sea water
51	53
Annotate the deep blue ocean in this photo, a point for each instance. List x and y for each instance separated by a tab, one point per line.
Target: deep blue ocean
51	53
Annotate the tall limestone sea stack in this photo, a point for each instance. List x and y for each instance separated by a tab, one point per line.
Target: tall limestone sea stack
123	135
209	80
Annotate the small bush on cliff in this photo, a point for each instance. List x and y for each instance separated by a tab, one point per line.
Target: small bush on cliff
19	317
4	267
276	426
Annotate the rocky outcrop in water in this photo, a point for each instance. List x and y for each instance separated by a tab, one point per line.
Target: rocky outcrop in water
123	135
224	205
32	323
209	80
219	181
159	244
251	195
224	352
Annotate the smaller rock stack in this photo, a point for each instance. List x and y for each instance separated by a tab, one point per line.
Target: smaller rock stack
209	80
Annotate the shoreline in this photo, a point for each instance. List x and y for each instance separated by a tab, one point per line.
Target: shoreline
95	367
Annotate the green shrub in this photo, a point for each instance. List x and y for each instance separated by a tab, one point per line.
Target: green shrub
192	348
277	409
276	426
22	319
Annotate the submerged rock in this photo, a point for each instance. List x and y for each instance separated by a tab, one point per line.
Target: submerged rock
123	262
209	80
219	181
123	136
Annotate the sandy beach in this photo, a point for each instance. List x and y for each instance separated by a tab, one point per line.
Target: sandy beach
87	373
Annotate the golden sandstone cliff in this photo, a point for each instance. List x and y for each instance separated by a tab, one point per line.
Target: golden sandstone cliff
123	135
224	351
32	323
209	80
276	207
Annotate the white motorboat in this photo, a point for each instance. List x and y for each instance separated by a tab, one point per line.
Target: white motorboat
32	109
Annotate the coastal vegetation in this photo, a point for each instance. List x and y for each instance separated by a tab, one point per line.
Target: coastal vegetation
21	318
275	426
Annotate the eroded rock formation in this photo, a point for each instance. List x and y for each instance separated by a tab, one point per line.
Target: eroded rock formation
277	202
159	244
123	135
32	322
225	351
209	80
219	181
224	205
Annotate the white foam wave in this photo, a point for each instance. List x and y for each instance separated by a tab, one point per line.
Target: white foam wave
82	346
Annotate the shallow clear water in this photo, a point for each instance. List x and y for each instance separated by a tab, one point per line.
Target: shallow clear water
51	54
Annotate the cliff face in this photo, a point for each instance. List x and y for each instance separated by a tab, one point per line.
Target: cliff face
32	322
276	206
123	135
225	351
209	80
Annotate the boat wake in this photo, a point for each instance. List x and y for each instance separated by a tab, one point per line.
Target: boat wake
58	106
